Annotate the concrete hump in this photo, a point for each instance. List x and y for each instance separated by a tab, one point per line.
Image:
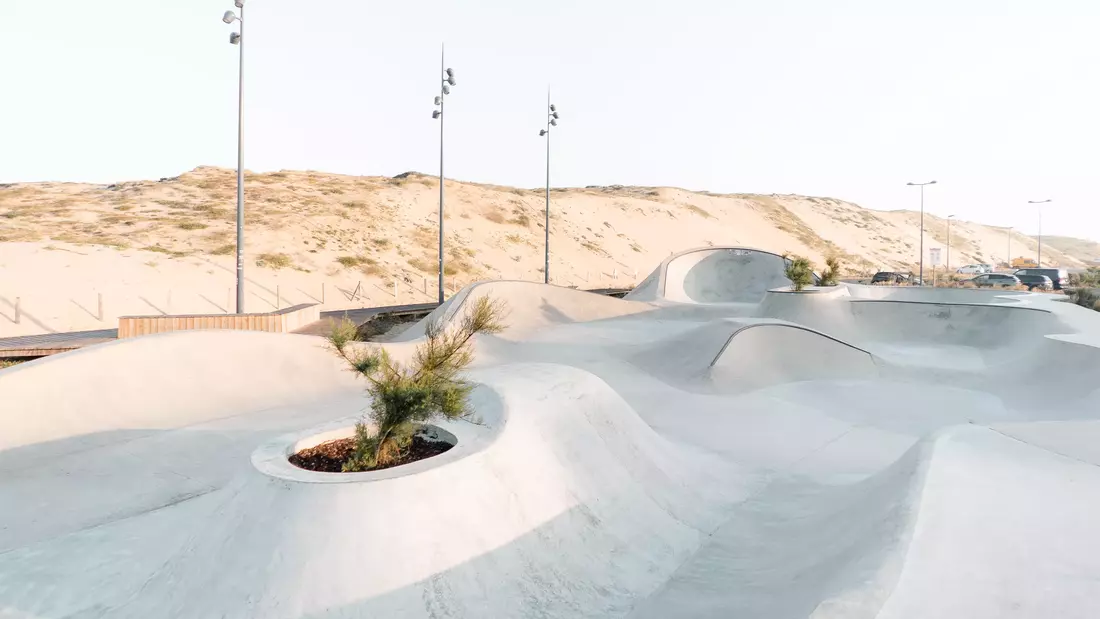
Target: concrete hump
762	355
530	306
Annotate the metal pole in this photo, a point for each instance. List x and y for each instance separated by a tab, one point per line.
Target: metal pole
1009	260
441	120
921	235
948	245
240	171
1039	260
546	267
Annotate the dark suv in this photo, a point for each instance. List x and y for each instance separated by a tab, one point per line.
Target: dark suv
1058	277
1035	281
890	277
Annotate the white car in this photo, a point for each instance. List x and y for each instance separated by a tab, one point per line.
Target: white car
972	269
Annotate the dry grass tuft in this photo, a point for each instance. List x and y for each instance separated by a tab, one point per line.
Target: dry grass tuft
274	261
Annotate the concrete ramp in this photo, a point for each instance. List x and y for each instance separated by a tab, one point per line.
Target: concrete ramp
714	275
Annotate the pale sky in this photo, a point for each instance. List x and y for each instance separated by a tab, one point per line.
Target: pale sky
998	100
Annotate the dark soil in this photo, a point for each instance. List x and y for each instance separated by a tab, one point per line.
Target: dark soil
330	457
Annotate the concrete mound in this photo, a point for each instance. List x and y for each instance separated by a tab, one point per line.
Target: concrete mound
530	306
761	355
567	481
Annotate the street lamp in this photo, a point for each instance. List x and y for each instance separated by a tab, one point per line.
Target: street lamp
949	218
1039	259
447	79
921	185
551	121
235	39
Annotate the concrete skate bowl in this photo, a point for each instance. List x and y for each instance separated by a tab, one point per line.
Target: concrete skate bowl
710	275
937	295
761	355
529	307
788	489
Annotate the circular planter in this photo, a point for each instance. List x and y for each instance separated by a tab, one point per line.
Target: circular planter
273	458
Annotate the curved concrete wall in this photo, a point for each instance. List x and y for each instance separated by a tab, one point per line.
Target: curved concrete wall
723	275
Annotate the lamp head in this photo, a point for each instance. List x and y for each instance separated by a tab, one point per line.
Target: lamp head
235	38
436	113
229	17
239	3
553	108
446	89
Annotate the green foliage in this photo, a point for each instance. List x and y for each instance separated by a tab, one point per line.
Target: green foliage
831	275
403	398
1087	297
1090	278
800	271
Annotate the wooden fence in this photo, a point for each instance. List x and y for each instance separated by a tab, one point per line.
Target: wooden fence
282	321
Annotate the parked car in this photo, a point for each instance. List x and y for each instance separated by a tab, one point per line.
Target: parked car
974	269
988	267
995	280
891	277
1059	277
1035	281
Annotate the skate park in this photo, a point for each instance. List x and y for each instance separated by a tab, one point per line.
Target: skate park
714	444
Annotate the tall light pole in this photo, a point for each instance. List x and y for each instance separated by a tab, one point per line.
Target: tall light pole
235	38
551	121
1039	259
921	185
447	79
949	218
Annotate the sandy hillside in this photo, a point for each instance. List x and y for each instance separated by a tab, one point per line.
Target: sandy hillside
149	247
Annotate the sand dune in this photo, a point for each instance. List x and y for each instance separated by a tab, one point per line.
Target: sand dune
150	247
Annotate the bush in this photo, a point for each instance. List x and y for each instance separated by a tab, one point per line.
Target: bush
831	275
1090	278
800	271
1087	297
404	398
274	261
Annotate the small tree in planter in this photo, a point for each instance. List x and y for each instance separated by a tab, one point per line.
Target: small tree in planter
405	397
830	276
799	271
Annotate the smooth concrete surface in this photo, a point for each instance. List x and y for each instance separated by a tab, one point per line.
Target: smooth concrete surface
730	452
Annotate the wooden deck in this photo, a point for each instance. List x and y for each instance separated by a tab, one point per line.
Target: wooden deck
53	343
